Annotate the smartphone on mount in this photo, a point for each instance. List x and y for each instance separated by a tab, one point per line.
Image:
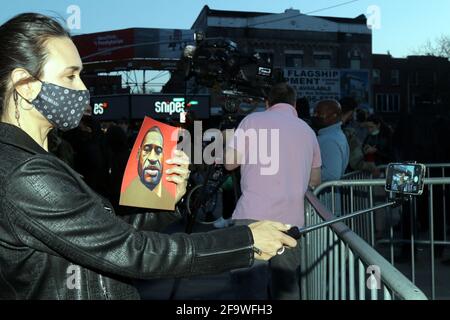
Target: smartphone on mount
405	178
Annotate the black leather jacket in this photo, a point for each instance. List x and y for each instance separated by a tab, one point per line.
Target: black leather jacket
60	240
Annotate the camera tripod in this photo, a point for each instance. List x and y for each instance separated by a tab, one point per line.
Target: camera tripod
202	199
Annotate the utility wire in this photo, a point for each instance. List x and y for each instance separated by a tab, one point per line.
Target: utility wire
332	7
191	40
300	14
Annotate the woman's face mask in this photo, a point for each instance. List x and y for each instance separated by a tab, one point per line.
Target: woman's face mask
373	128
63	107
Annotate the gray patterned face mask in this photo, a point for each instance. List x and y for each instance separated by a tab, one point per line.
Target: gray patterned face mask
63	107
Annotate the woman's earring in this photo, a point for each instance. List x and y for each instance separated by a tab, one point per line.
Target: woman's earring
21	106
16	103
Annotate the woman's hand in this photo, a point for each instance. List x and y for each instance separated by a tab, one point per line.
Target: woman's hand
179	174
269	238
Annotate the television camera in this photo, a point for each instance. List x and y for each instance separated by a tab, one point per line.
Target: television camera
240	80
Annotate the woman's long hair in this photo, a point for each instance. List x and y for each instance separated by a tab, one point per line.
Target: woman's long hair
23	40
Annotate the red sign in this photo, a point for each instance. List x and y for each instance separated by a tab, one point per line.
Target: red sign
106	45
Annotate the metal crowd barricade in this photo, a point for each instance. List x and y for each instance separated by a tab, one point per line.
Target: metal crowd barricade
338	265
351	196
357	193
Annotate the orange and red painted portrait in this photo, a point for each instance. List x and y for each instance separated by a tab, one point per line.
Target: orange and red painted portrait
144	183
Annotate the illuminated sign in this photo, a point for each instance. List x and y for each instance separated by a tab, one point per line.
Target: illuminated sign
162	106
170	106
99	108
177	105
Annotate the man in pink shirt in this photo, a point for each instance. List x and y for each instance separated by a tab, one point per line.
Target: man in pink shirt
279	157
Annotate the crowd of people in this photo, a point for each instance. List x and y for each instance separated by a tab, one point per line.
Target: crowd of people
63	212
61	239
348	139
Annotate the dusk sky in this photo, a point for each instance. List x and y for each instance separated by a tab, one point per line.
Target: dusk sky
405	24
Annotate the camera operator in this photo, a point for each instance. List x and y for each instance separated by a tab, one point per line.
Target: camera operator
230	188
278	195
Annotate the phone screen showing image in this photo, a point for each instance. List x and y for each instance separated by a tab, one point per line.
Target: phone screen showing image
405	178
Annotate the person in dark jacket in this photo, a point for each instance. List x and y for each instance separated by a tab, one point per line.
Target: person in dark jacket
378	150
377	146
117	155
356	159
61	240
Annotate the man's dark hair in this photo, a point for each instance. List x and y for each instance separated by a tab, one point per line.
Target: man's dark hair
378	120
302	107
282	93
348	104
123	121
361	115
375	119
23	40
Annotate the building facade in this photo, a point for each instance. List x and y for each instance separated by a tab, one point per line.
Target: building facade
322	57
416	84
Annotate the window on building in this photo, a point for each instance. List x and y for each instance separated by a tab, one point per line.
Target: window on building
322	60
380	104
396	103
355	63
376	75
294	60
395	77
388	102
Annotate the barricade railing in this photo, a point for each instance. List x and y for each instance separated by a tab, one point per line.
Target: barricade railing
339	265
348	196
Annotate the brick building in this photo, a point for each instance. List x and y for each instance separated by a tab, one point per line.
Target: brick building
323	57
416	84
